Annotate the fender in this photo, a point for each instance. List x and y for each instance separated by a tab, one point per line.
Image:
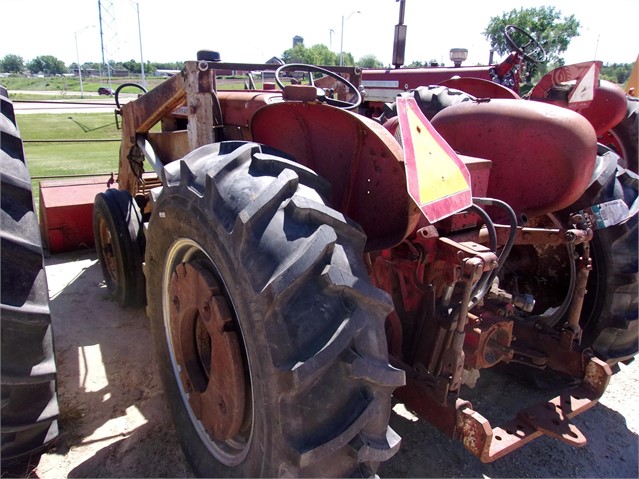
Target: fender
542	155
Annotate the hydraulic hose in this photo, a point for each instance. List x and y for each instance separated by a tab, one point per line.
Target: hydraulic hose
486	281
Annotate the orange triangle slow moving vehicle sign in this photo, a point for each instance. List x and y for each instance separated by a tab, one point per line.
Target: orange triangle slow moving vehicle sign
438	180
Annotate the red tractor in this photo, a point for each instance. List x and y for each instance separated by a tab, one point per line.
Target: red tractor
302	263
611	112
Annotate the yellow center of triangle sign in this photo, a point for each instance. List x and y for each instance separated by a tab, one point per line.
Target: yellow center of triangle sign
438	180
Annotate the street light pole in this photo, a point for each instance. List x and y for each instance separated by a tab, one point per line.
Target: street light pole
137	5
341	46
77	54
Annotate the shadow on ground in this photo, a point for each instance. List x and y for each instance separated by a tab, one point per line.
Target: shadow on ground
115	422
611	451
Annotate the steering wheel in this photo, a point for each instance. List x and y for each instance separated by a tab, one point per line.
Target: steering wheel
124	85
321	93
531	51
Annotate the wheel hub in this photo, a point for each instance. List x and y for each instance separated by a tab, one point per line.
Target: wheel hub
106	246
207	350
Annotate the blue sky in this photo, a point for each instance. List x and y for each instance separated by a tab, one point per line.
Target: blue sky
254	31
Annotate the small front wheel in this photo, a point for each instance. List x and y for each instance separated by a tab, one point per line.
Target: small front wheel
119	243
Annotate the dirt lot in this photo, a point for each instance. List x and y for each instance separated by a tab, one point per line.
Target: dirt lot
115	421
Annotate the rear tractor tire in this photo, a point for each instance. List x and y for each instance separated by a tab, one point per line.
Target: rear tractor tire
624	137
610	315
269	334
30	412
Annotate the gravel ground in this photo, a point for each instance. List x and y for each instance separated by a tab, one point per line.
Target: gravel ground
115	421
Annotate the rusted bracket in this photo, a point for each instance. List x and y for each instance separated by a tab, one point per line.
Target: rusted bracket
551	418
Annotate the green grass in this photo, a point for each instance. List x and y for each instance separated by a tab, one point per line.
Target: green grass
58	126
47	160
69	87
58	159
69	84
68	159
38	96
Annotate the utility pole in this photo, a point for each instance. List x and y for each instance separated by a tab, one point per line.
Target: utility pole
341	47
137	5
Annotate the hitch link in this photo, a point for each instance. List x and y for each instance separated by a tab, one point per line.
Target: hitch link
551	418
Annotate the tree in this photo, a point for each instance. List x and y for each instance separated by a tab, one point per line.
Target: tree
417	64
132	66
47	64
12	64
316	55
617	72
544	24
369	61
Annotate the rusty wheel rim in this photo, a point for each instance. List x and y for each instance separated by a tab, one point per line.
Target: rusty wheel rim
108	254
207	352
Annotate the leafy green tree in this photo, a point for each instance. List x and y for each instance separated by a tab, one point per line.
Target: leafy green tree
348	60
369	61
47	64
12	64
322	55
617	72
316	55
132	66
418	64
149	68
167	66
545	24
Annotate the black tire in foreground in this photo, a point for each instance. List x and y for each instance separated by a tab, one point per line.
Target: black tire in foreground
624	137
29	421
431	100
119	243
610	316
269	334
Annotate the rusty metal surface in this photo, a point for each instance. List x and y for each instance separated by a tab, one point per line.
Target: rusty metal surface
549	87
169	145
201	104
66	212
384	85
208	351
542	155
489	444
608	107
238	107
551	418
487	342
359	157
480	88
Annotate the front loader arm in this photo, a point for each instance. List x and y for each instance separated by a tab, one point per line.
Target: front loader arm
194	87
